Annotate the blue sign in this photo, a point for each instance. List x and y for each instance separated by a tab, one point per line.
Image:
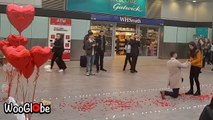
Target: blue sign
202	32
126	19
135	8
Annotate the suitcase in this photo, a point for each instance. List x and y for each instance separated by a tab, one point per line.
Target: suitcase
83	61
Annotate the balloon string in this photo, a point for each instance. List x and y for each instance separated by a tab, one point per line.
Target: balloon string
6	77
35	84
26	89
27	116
34	90
17	86
10	84
22	88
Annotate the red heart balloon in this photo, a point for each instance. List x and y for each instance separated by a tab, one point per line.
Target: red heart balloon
40	55
3	43
20	16
28	70
16	40
18	57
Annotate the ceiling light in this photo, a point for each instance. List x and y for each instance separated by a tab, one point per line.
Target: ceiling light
194	1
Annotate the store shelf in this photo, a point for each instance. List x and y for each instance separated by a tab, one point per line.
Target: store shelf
125	30
97	29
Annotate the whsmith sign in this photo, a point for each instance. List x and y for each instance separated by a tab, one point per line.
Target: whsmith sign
135	8
130	20
111	18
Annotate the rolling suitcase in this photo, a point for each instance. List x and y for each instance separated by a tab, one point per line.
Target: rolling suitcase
83	61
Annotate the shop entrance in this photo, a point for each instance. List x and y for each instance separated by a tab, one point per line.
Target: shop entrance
123	31
109	30
117	33
149	40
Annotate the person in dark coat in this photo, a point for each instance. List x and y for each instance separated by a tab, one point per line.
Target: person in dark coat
211	54
206	51
128	53
90	46
58	50
135	45
101	47
86	37
207	113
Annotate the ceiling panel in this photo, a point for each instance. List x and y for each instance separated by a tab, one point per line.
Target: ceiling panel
54	4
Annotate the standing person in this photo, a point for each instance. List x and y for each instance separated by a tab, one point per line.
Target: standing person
211	54
90	45
86	37
128	53
58	50
135	45
175	79
200	44
206	52
196	65
101	47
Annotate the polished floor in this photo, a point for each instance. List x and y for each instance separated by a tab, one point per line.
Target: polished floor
116	95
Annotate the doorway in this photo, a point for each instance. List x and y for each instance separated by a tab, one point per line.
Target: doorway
123	31
109	30
150	36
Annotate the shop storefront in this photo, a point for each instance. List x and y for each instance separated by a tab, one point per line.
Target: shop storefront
118	28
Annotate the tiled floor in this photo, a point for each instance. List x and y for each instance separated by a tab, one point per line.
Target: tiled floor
116	95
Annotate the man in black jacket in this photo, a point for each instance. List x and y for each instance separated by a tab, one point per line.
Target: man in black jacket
101	43
135	44
58	50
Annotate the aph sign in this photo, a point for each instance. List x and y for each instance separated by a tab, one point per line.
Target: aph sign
135	8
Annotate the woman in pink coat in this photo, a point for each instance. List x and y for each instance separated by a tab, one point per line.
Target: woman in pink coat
175	78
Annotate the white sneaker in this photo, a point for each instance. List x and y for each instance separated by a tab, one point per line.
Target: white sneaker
92	74
61	70
49	70
87	74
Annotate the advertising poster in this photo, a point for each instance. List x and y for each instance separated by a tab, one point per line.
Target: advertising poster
63	27
136	8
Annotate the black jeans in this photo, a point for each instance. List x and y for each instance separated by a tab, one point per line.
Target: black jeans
99	58
173	94
134	62
211	57
57	57
206	58
128	58
194	76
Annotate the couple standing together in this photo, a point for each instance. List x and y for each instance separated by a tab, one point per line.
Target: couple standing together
95	49
132	46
